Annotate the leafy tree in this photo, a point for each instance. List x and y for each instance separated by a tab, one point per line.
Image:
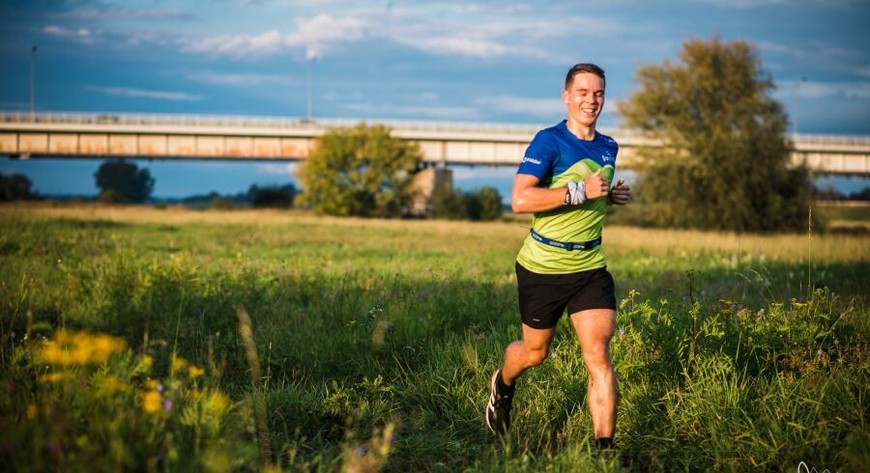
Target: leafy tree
125	179
272	196
448	204
863	194
360	171
725	160
490	204
16	187
482	205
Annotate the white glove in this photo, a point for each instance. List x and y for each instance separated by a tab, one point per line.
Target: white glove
576	193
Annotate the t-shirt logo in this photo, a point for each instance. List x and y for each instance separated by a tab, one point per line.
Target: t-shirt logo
607	158
531	160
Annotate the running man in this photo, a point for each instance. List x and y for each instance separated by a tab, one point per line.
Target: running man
564	179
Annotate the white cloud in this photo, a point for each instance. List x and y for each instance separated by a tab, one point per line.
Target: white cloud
418	111
277	169
492	33
115	14
480	48
859	90
543	108
268	42
146	94
83	35
743	4
240	79
316	36
823	90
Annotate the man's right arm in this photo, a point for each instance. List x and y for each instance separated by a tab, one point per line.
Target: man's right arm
527	197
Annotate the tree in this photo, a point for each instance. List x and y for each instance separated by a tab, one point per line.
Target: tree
482	205
360	171
16	187
272	196
125	179
725	160
449	204
490	204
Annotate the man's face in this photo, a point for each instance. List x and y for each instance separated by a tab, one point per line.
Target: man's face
584	98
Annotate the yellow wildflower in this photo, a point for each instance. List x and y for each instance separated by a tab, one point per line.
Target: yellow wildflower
151	401
113	384
217	402
56	377
196	371
178	363
79	348
32	410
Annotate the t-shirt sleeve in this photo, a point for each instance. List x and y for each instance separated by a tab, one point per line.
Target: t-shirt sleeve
540	157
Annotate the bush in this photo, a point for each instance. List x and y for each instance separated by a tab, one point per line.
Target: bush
16	187
110	196
483	205
272	196
222	203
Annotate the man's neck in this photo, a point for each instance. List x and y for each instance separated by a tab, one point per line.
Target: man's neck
581	131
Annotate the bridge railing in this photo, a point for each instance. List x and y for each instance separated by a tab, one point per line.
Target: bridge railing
111	118
252	121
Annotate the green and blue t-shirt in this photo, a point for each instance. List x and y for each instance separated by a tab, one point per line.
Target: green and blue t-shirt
556	156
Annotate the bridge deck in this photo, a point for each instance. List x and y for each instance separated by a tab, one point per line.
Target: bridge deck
97	135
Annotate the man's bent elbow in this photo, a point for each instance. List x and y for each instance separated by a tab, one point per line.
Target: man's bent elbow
518	205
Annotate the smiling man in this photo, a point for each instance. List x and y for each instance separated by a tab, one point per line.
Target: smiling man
564	179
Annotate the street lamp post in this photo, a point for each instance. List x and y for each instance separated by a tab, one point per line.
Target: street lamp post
308	104
797	102
33	83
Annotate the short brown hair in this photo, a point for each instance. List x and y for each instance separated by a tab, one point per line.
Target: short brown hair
583	67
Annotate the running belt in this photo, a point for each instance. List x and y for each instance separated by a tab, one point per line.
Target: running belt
566	245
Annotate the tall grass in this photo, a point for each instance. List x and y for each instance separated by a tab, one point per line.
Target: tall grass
270	340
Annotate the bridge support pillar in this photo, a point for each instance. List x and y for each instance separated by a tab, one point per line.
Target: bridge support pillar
426	182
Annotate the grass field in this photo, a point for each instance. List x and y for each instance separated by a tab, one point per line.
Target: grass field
175	340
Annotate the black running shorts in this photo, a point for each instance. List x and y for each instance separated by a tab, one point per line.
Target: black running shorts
544	297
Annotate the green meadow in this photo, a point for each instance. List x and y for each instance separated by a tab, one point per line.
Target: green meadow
142	339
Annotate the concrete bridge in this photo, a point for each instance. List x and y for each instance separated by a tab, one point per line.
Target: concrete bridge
93	135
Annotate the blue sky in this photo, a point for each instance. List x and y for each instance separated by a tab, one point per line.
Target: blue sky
448	60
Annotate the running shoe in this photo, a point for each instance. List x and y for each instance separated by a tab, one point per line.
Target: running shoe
498	409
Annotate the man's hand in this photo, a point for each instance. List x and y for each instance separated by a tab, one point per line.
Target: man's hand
596	186
620	194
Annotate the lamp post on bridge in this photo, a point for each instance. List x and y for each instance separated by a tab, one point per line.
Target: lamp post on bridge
308	104
33	83
797	103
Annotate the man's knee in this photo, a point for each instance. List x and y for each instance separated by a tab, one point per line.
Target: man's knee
597	358
536	357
